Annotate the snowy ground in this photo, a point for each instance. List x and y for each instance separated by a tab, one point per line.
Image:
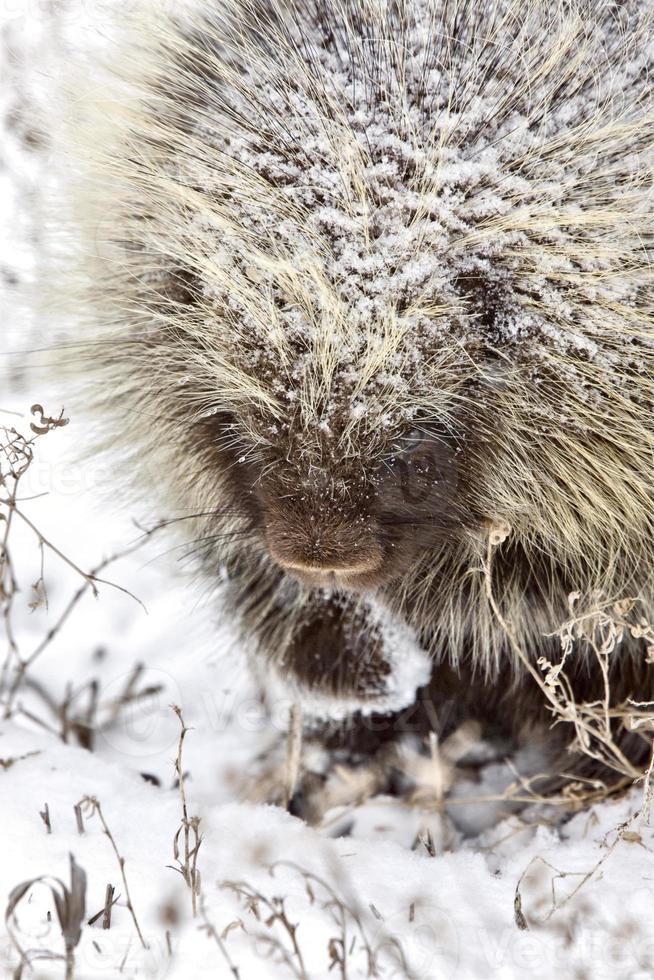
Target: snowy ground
451	915
278	899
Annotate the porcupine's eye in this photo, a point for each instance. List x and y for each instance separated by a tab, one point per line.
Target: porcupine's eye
421	462
411	444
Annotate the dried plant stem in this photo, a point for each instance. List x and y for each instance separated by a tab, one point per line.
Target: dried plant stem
190	826
559	875
648	793
43	541
8	583
90	578
586	732
94	806
16	456
213	933
293	752
276	912
70	904
45	817
343	911
108	904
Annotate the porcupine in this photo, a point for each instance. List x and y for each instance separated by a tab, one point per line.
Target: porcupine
369	278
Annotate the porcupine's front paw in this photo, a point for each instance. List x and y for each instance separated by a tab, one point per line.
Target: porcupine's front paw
378	717
349	658
351	671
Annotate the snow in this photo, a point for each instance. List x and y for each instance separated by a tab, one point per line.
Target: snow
450	915
462	924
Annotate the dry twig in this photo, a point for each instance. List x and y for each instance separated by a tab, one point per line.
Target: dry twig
92	804
189	829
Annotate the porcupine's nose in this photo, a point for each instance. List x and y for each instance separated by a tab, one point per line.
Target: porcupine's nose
333	566
318	562
352	564
324	535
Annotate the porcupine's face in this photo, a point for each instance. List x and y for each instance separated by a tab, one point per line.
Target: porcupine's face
415	287
357	522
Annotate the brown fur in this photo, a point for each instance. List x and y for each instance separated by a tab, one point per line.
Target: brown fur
350	353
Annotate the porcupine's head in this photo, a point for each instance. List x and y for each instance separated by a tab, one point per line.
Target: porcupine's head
378	273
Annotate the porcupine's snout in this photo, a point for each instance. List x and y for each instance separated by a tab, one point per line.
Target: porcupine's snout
321	544
308	558
340	528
